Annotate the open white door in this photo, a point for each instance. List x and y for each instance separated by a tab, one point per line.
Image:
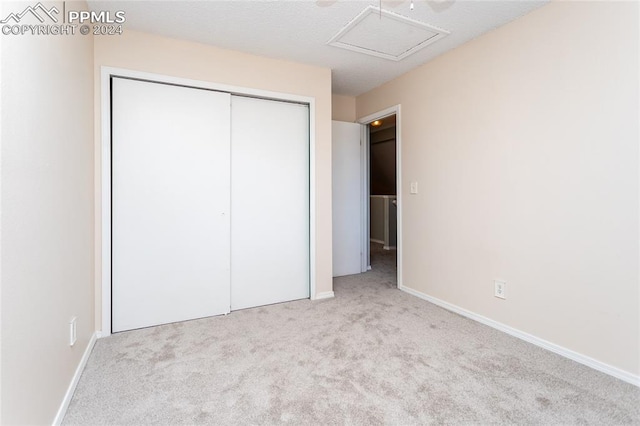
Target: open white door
347	198
170	203
270	202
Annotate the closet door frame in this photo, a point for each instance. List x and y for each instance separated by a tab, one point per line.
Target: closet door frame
103	231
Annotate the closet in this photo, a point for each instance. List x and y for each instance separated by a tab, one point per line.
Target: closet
209	200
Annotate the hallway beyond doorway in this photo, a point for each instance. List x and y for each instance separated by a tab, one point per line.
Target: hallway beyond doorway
384	264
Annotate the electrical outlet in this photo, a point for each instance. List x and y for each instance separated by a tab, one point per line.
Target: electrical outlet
72	331
500	289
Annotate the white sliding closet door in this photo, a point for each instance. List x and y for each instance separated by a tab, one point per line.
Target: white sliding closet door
269	202
170	203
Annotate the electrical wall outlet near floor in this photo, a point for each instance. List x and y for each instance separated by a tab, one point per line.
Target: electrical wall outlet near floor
72	331
500	289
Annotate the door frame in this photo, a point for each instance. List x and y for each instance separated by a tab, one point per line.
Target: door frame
365	154
104	197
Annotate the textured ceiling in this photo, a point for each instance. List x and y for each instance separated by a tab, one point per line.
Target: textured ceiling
299	30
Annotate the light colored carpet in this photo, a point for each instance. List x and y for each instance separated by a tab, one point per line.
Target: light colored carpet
372	355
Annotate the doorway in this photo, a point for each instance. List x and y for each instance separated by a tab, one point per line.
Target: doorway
382	194
382	215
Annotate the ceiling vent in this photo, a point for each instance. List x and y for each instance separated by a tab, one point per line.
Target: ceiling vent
381	33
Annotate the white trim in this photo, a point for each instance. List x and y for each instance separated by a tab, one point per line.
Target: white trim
323	295
105	193
364	193
312	198
396	109
74	380
399	197
373	240
389	247
560	350
2	10
105	102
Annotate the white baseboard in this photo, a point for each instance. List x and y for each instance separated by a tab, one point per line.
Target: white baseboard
324	295
373	240
74	381
567	353
389	247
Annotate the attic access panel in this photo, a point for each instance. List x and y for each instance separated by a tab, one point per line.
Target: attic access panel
386	34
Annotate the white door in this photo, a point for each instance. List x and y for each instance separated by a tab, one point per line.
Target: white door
170	203
347	198
270	202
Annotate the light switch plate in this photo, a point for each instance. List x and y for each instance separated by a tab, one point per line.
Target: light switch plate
500	289
414	187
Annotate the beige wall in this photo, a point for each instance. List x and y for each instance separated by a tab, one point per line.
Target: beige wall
525	146
47	218
343	108
160	55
